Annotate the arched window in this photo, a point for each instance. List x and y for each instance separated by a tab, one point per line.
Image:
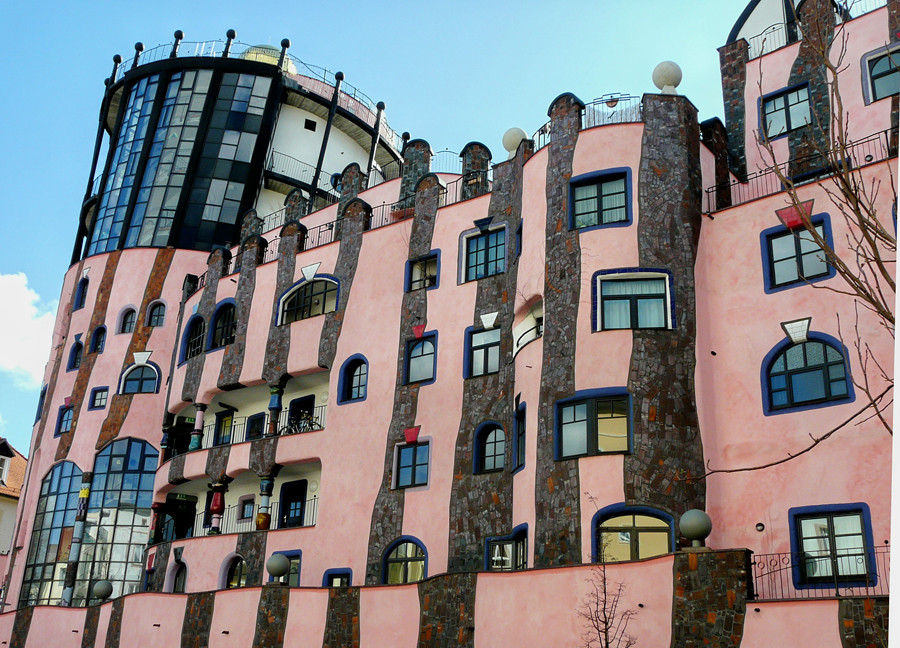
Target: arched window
223	327
75	355
195	334
354	379
98	339
179	581
128	318
631	533
420	360
805	374
490	448
308	300
404	563
142	379
80	295
237	573
117	524
54	524
157	315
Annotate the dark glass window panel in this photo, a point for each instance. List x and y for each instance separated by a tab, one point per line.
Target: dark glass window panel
309	300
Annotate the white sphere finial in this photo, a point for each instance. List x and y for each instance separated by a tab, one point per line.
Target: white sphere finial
511	140
667	76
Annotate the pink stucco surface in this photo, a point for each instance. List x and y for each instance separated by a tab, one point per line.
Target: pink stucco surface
389	616
152	618
794	623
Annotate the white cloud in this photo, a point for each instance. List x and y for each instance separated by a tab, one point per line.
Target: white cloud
26	329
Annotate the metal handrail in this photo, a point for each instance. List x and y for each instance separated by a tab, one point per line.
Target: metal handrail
800	575
869	150
307	422
612	108
232	522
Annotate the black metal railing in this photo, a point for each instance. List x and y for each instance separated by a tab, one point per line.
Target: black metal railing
470	185
779	576
613	108
215	434
872	149
291	167
527	336
446	161
234	521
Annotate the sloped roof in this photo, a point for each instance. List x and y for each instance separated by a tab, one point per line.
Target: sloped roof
15	478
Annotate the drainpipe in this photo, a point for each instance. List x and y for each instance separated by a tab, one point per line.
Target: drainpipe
339	76
374	147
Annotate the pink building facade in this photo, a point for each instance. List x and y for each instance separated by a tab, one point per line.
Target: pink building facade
453	398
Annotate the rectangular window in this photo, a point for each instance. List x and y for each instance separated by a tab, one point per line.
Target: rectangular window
832	547
64	422
484	352
639	303
339	580
508	554
292	578
599	203
246	507
412	465
98	398
422	273
794	257
786	111
256	425
485	254
519	429
593	426
224	424
884	75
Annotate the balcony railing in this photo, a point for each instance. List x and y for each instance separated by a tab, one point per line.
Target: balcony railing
781	576
233	522
872	149
613	108
214	434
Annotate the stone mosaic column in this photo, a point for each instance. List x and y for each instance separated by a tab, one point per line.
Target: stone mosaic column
197	432
84	494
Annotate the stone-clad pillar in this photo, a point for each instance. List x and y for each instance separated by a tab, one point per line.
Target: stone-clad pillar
733	60
476	162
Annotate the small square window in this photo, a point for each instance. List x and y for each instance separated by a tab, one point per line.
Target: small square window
256	426
310	125
337	578
98	398
421	355
485	254
785	111
483	352
508	554
600	202
412	465
422	273
246	507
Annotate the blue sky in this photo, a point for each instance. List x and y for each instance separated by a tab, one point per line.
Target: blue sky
450	73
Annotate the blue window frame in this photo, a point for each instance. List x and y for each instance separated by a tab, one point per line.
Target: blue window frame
784	111
405	561
421	360
40	406
75	356
141	379
482	352
810	374
340	577
292	578
99	396
424	272
792	258
224	326
412	465
519	437
80	295
622	533
485	254
832	545
256	426
600	199
507	553
353	380
593	422
64	420
490	448
224	427
98	339
194	338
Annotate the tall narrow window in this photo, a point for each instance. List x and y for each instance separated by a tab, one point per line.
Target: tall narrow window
420	360
157	315
237	574
490	449
75	356
484	352
195	334
412	465
224	326
485	254
98	339
404	563
354	378
80	295
128	318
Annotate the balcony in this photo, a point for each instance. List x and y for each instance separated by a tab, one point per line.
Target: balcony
794	576
234	520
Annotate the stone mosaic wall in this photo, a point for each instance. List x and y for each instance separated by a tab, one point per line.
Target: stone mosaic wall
667	449
710	598
91	621
557	529
447	611
271	616
251	546
733	60
198	613
21	625
476	162
217	267
342	618
114	629
863	622
416	163
253	249
278	344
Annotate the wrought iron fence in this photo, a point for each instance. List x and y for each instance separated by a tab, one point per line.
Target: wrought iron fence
216	434
809	168
612	108
768	40
446	161
470	185
779	576
234	520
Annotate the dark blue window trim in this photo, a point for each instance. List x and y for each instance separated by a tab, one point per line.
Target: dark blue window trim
595	295
590	394
393	545
250	420
294	553
829	509
519	241
75	353
93	393
781	346
186	334
40	407
217	429
80	294
517	532
822	219
97	347
279	303
595	177
482	227
338	571
614	510
59	419
433	336
478	447
760	120
210	333
518	420
407	273
467	351
344	380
